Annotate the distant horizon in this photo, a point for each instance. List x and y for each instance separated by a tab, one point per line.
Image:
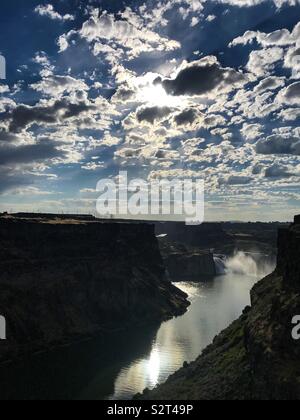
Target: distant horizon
94	216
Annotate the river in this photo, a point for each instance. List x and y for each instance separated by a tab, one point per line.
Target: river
127	364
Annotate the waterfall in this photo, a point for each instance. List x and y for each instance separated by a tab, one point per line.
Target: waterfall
242	263
220	264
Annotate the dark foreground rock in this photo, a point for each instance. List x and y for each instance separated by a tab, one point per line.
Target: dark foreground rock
65	280
255	358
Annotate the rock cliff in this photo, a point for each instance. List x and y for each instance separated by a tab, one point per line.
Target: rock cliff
193	266
184	263
256	358
65	280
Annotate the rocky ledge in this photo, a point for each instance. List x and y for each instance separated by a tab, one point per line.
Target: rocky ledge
256	358
66	280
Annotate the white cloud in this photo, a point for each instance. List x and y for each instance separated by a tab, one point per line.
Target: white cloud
251	3
252	131
290	95
4	89
282	37
195	21
57	85
211	18
49	11
290	114
292	61
63	43
270	83
128	33
262	62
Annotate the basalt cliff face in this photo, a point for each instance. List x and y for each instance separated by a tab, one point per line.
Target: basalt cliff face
256	358
185	263
66	280
190	266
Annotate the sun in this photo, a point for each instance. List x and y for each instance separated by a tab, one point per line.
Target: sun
155	95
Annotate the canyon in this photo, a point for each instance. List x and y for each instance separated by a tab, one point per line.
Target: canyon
255	358
66	279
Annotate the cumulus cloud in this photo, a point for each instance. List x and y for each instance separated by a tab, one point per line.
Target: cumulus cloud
151	114
276	144
252	131
56	85
290	95
278	171
49	11
281	37
263	62
187	116
203	77
129	32
24	115
214	120
289	114
277	45
270	83
292	61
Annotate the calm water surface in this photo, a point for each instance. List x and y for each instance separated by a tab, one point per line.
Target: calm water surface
127	364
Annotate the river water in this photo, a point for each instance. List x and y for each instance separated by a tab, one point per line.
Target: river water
127	364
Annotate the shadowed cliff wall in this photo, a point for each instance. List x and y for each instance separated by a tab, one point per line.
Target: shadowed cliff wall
62	281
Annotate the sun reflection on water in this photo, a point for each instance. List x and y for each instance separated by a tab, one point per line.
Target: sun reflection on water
214	306
153	367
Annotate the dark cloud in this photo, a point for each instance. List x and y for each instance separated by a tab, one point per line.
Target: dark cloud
277	171
257	169
40	151
124	95
200	78
276	145
235	180
187	116
161	154
7	137
23	116
293	91
152	114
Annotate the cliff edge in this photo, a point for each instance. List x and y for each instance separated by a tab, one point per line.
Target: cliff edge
65	280
256	358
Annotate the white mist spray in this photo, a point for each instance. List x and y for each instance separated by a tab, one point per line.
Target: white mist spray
243	264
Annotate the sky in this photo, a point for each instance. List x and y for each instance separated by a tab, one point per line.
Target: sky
197	89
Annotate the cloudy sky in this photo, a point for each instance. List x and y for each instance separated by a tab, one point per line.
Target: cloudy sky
206	89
